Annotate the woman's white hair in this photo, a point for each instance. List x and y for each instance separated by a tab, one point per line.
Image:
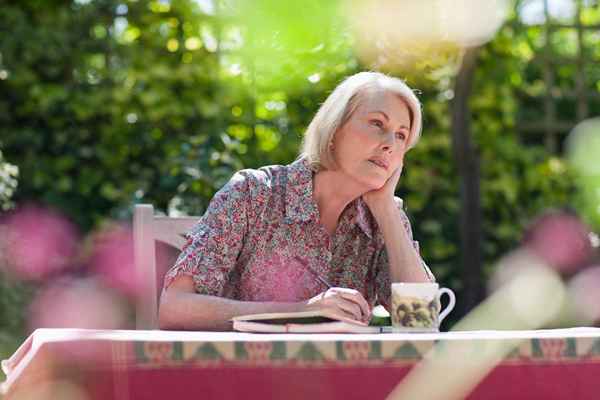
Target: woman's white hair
340	105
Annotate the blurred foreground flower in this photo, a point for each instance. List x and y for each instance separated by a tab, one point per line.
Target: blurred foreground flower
529	294
584	292
53	389
112	260
78	303
584	152
561	239
526	293
290	42
38	243
284	44
408	34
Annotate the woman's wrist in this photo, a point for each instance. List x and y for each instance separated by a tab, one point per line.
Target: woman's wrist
382	212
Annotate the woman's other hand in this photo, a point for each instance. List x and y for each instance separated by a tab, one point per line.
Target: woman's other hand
384	196
342	302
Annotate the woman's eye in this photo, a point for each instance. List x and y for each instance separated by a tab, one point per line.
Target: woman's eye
377	123
400	135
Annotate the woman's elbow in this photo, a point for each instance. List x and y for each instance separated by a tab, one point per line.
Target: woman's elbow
167	318
170	303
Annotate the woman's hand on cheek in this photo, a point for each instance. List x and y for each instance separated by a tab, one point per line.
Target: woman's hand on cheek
384	196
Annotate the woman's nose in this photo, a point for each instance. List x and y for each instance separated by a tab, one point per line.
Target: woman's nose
388	143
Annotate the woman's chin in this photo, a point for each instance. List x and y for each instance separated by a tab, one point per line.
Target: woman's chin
375	184
371	181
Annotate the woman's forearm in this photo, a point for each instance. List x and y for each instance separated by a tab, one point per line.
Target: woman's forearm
405	262
181	310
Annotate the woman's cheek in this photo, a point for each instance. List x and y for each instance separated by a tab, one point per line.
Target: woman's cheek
372	135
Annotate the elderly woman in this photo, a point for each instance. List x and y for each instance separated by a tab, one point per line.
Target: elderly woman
324	232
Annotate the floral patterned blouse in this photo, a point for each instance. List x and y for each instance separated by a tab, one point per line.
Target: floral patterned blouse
261	240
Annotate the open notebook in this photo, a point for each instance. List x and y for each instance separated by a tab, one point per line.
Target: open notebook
301	322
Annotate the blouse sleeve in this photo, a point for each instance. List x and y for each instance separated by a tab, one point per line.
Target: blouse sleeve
214	243
383	282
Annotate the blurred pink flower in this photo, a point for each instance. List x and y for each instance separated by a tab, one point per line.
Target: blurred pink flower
39	243
584	290
77	303
561	240
49	388
83	304
112	260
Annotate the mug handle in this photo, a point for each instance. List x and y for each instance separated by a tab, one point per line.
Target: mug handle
450	305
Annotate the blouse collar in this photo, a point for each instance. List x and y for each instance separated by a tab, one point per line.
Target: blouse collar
300	205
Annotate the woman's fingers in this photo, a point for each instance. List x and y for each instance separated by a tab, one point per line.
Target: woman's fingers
343	315
347	303
357	298
349	307
338	313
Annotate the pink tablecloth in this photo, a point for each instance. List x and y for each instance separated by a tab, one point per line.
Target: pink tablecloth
545	364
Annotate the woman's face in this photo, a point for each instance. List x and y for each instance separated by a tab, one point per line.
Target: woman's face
370	146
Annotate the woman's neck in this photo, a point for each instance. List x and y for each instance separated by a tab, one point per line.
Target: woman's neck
333	191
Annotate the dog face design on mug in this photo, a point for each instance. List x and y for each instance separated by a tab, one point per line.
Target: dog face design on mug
415	312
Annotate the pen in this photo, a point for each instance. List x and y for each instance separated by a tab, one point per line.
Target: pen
316	274
319	277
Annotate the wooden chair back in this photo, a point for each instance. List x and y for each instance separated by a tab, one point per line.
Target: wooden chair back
157	241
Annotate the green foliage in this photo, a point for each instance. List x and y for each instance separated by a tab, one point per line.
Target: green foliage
284	51
520	178
14	299
13	295
8	183
584	148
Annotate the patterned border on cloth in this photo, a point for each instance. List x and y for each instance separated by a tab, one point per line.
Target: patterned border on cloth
351	353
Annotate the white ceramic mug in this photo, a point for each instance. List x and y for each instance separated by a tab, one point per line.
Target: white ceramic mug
416	306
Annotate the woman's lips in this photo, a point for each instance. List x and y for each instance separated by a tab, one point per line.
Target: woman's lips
380	163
